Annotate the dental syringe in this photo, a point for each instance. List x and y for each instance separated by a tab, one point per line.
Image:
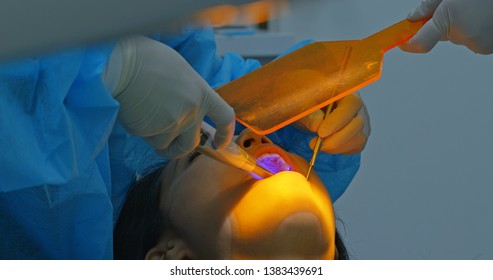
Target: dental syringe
232	155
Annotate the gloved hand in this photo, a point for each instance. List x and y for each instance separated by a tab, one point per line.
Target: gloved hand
162	98
463	22
345	130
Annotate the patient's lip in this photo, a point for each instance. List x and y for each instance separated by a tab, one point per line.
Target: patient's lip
272	149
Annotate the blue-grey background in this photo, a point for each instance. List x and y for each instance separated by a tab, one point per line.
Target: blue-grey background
425	187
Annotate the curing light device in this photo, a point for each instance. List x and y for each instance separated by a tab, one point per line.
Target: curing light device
232	155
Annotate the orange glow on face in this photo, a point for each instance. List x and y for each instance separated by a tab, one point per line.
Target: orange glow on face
225	214
258	218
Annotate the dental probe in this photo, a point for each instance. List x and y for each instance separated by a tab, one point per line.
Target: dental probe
232	155
318	144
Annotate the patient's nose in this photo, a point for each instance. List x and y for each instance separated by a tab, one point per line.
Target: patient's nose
248	139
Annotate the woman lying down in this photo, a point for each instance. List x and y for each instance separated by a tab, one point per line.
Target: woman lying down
199	208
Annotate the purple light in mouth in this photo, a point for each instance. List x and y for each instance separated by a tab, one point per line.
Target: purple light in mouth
273	163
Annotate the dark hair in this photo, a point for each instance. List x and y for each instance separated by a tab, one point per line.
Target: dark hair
141	223
342	253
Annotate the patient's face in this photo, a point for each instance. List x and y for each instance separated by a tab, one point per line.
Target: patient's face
223	213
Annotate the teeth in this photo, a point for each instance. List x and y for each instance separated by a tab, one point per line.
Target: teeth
273	162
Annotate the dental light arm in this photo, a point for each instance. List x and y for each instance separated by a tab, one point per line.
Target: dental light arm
30	27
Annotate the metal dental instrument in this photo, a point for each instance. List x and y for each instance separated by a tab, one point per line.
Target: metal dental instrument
232	155
318	144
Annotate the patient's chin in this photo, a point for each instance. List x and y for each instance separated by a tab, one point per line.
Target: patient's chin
283	216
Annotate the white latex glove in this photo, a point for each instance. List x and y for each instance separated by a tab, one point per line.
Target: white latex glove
162	98
345	130
463	22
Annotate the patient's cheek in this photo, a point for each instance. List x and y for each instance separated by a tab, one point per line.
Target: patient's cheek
285	200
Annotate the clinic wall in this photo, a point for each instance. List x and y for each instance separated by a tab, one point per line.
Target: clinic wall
425	187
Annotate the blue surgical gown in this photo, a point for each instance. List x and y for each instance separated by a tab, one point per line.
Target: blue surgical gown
65	162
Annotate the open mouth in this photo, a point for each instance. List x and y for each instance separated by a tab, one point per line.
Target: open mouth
273	162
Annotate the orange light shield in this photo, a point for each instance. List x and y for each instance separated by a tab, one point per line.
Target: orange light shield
310	78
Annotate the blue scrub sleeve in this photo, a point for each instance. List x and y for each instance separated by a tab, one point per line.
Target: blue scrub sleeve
56	118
